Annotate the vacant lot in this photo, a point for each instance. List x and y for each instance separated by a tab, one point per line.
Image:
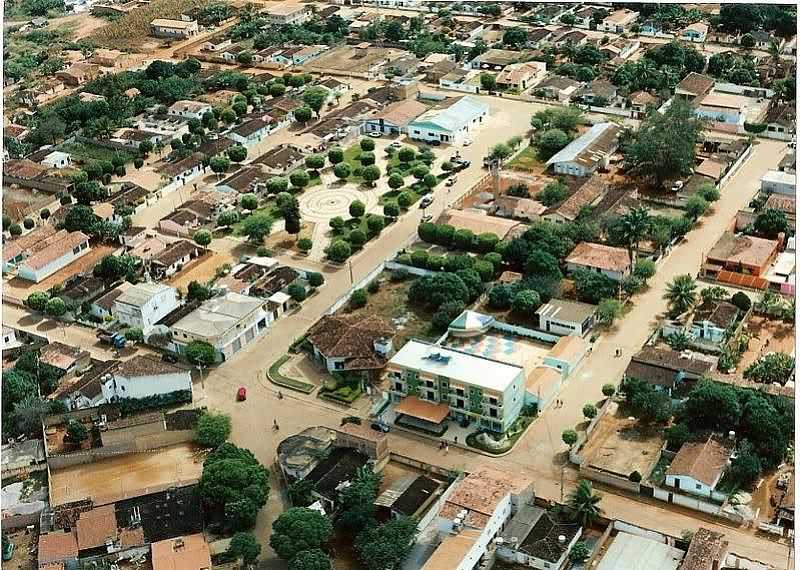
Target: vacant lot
132	29
528	161
128	475
201	270
618	446
766	335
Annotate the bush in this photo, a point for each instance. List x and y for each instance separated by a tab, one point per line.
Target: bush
374	224
357	238
569	437
357	209
391	210
359	298
134	334
315	279
339	251
374	286
635	477
212	429
297	292
645	269
445	314
608	390
742	301
405	199
589	411
501	296
367	144
28	223
419	258
305	244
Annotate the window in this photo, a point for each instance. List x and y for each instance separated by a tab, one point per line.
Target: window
493	401
430	395
492	413
698	486
459	403
76	249
338	365
398	386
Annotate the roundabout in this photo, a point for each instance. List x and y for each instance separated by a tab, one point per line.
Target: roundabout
324	204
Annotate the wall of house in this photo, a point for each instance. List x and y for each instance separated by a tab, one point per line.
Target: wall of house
571	168
719	114
616	275
694	487
42	273
145	386
694	503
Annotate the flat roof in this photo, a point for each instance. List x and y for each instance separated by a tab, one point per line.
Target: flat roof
218	315
628	550
456	365
421	409
780	176
452	550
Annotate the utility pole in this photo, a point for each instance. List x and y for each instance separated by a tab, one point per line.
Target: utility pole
562	484
350	267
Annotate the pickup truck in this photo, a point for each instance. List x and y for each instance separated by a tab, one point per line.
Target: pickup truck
117	340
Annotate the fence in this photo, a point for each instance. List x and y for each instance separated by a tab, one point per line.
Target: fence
526	332
736	166
574	453
418	271
608	478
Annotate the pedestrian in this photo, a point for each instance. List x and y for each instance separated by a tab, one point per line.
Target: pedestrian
441	445
455	440
280	395
446	448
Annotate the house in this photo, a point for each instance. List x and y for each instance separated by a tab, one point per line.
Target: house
699	465
189	109
779	182
435	72
723	108
81	288
145	376
709	325
577	37
613	262
287	13
518	208
64	358
181	171
143	305
110	58
217	42
78	73
618	21
474	515
563	317
666	369
536	538
334	473
586	196
395	118
566	354
57	159
641	101
557	87
695	85
102	307
431	383
10	339
351	343
172	259
57	549
780	119
599	92
584	16
189	552
708	550
495	59
589	152
628	550
696	32
450	124
281	160
173	29
246	180
335	86
785	203
748	255
46	256
620	49
227	323
252	131
464	80
521	76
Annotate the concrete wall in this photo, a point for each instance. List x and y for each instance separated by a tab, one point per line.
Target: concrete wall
609	478
694	503
526	332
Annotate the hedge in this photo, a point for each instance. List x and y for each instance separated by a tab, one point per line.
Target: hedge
276	377
755	128
129	406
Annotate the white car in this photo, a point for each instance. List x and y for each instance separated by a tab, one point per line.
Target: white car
374	134
467	142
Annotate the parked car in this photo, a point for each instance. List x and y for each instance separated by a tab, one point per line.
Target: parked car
374	134
380	426
425	202
427	218
169	357
467	142
241	394
450	181
677	185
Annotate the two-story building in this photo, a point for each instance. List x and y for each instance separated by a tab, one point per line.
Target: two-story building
143	305
227	323
287	13
432	383
189	109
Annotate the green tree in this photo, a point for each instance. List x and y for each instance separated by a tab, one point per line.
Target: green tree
219	164
17	385
256	227
248	201
681	294
297	292
212	429
770	222
589	411
299	178
277	184
315	162
644	269
335	155
501	296
550	142
651	406
202	237
15	230
593	287
406	154
357	208
553	193
245	546
370	174
584	504
342	171
198	292
387	545
76	431
357	500
776	367
634	226
315	98
339	251
134	334
500	151
200	353
526	302
55	307
608	311
663	147
608	390
434	290
305	244
367	145
237	153
696	207
488	82
314	559
746	467
37	300
299	529
579	552
569	437
303	114
712	406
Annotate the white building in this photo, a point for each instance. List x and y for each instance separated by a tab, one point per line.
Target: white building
563	317
57	159
435	382
779	182
189	109
699	466
618	21
56	252
227	323
449	125
173	29
613	262
143	305
143	377
287	13
589	152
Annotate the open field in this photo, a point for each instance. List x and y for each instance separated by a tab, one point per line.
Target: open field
127	475
132	29
201	269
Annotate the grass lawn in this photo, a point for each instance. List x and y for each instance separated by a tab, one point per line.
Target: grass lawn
526	159
269	208
276	377
87	151
390	197
351	158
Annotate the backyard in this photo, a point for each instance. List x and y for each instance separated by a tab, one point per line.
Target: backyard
528	161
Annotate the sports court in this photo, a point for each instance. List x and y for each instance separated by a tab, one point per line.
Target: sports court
504	348
126	476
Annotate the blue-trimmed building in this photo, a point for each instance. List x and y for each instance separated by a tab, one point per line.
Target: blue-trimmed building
449	125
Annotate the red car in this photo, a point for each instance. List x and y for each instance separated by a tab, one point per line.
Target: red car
241	394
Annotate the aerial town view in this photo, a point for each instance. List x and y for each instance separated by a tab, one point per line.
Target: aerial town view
398	285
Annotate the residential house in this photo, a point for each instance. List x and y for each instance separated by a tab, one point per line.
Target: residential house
518	208
495	59
143	305
699	465
435	72
183	170
281	160
173	257
642	101
585	16
563	317
709	325
408	496
231	53
666	369
557	87
287	13
693	86
588	195
57	159
618	22
521	76
110	58
577	37
56	549
246	180
723	108
620	49
78	73
335	86
395	118
102	307
450	124
781	119
708	550
779	182
627	551
47	252
743	254
599	92
474	515
252	131
464	80
173	29
431	383
334	473
613	262
352	343
66	359
696	32
589	152
536	538
189	552
189	109
650	28
227	323
217	43
145	376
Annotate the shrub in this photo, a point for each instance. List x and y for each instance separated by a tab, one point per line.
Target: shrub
297	292
357	209
374	286
391	210
315	279
742	301
405	199
337	224
212	429
339	250
589	411
374	224
569	437
635	476
357	238
419	258
305	244
358	299
608	390
501	296
28	223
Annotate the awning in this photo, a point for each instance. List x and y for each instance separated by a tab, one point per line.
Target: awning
428	411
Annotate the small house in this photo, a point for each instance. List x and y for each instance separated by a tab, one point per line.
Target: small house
699	466
613	262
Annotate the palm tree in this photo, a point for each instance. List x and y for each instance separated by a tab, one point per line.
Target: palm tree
774	51
681	293
635	223
584	503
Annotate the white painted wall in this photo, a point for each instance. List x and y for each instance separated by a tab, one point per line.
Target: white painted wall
145	386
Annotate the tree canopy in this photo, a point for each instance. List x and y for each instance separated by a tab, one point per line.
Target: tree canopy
299	529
